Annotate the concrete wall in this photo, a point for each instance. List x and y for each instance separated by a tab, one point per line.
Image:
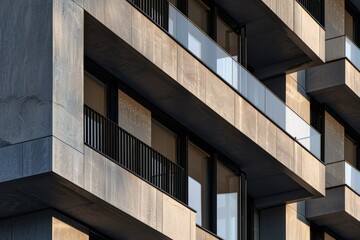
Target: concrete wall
284	223
204	235
334	134
134	118
334	18
44	225
300	22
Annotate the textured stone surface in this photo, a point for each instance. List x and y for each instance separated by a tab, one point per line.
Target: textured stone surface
11	162
26	70
335	18
68	84
94	173
37	156
334	140
68	162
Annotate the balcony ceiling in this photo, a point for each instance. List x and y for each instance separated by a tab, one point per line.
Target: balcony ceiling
272	47
356	3
269	182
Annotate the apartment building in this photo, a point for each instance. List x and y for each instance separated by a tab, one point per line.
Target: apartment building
179	119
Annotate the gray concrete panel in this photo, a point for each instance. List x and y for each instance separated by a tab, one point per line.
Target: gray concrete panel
334	18
37	156
11	159
68	55
32	227
26	70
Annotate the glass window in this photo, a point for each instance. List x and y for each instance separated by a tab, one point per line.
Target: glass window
163	140
227	38
350	151
198	12
95	93
349	26
227	202
199	189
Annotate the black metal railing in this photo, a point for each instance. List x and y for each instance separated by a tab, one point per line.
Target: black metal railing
157	10
316	8
106	137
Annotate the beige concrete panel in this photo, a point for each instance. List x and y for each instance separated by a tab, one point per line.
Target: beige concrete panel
297	227
122	189
68	67
335	48
310	31
220	97
96	8
297	99
94	172
334	140
298	166
285	10
203	235
245	118
68	162
352	78
63	231
193	227
266	134
148	204
298	19
191	73
146	37
80	2
322	50
352	203
334	18
271	4
159	211
169	56
285	149
313	171
176	220
134	118
118	18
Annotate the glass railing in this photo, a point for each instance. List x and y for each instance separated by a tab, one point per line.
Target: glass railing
219	61
352	52
352	178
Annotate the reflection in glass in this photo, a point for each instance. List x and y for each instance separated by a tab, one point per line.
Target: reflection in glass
199	184
350	148
198	13
227	203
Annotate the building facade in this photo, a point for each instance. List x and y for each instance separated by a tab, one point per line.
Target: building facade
180	119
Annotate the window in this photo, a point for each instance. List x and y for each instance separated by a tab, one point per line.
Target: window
163	140
95	94
199	13
227	38
199	184
228	184
350	151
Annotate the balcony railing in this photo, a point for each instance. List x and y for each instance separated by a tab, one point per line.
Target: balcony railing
315	8
352	52
245	84
106	137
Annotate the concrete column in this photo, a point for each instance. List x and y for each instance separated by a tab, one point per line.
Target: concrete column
334	140
334	18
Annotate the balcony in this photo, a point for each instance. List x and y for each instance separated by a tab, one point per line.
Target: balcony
209	53
337	83
223	104
339	210
106	137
